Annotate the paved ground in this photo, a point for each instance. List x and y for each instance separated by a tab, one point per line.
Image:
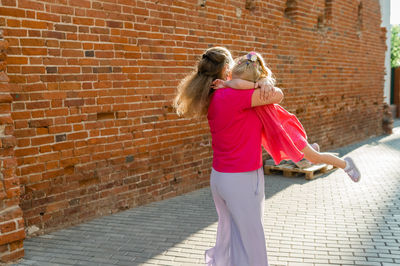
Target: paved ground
328	220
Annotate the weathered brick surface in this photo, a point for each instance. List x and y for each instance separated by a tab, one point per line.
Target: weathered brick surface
93	83
12	231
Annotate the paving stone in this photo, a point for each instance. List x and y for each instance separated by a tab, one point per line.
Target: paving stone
368	263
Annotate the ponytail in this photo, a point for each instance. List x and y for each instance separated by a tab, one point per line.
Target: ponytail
194	91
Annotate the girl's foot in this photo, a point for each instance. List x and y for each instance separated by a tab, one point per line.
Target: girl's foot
352	170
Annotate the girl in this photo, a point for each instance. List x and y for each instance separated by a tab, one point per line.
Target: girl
237	178
284	136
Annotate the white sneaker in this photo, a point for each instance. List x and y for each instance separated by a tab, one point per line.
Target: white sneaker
352	170
315	146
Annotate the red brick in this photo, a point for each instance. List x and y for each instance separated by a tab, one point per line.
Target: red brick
80	3
16	245
30	42
26	151
11	237
8	142
12	256
20	115
17	60
42	140
13	23
5	108
5	120
65	27
62	10
56	206
12	12
56	112
9	2
40	123
70	86
38	105
27	4
5	98
78	135
32	169
7	227
48	17
34	51
4	249
34	24
63	146
33	70
54	34
77	102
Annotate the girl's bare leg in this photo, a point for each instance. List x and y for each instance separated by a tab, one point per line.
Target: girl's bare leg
322	157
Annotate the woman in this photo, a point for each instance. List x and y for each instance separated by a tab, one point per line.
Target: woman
237	178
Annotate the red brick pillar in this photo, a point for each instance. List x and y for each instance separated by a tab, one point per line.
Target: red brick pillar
12	232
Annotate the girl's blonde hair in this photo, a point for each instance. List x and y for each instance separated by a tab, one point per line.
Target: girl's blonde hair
251	67
194	91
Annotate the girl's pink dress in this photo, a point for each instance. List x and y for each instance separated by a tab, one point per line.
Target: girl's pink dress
283	135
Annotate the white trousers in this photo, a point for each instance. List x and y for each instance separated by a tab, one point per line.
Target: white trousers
239	200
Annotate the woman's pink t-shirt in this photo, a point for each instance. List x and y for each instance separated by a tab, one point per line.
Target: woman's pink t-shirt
235	130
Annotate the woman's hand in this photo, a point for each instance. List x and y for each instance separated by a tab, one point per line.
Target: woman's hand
218	84
267	90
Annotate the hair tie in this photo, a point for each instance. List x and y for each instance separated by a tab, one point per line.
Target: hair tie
252	56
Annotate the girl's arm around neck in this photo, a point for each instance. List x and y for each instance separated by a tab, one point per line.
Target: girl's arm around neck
274	97
240	84
266	95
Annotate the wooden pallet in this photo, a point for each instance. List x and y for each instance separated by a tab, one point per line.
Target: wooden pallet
289	170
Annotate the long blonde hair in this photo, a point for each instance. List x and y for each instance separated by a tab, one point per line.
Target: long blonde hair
251	67
194	91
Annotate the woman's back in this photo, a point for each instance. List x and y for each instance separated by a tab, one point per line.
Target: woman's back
236	131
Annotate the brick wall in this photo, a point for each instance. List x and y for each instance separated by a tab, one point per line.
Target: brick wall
93	83
12	231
